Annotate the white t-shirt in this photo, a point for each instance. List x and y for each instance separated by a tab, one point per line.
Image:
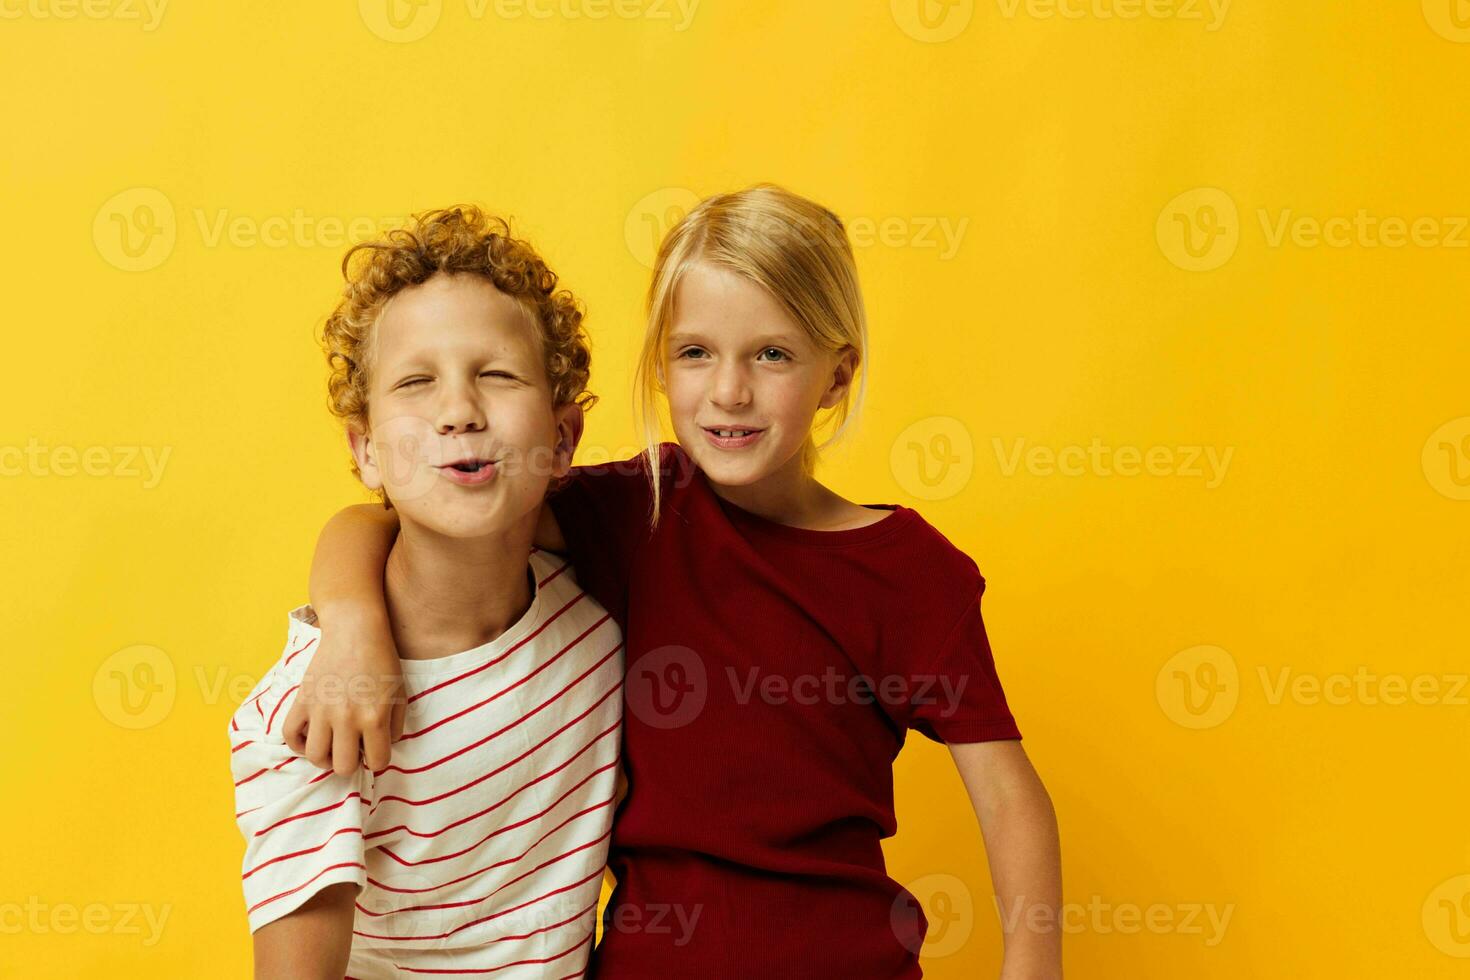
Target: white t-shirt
481	846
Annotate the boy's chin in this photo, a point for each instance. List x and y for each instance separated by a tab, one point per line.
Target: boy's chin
456	520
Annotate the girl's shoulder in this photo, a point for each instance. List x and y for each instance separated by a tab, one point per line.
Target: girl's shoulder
904	550
931	548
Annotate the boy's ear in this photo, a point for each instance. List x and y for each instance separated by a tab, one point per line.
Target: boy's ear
842	376
569	421
366	455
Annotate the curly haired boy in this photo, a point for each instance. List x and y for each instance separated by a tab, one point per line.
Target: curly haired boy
459	370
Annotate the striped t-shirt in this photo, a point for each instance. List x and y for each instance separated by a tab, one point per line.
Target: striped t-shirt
480	848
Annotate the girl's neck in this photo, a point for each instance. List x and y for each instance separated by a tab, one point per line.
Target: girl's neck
446	595
790	496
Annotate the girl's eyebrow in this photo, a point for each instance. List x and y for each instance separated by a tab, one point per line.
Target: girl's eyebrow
768	340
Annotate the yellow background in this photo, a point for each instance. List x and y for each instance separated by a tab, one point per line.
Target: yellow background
1074	151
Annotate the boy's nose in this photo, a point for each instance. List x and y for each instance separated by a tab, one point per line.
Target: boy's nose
460	413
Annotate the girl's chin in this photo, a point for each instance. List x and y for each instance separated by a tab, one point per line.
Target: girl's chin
731	469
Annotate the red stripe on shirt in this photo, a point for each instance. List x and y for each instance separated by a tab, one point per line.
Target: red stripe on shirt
278	708
480	704
485	666
332	867
496	734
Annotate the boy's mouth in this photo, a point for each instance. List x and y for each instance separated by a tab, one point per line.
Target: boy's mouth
469	471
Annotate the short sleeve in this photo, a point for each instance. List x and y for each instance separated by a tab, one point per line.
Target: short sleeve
604	512
303	826
959	698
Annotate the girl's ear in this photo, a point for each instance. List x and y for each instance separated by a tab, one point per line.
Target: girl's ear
842	375
366	455
569	421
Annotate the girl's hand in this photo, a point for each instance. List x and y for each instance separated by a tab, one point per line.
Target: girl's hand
351	703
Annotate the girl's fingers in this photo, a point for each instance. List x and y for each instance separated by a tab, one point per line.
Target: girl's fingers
293	729
375	749
346	751
319	745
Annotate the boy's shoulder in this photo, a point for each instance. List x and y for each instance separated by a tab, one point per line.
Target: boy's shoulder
561	604
559	593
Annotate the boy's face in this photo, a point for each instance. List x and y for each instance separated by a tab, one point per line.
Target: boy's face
464	436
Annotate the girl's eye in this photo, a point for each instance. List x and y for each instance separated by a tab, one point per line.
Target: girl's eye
688	352
780	354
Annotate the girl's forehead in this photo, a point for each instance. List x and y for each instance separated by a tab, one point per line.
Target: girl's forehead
720	304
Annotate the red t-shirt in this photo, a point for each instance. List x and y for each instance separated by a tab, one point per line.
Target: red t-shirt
772	674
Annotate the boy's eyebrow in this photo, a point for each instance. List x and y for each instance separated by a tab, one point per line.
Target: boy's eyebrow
423	361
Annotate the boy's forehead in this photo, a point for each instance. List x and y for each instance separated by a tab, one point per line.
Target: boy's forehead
445	313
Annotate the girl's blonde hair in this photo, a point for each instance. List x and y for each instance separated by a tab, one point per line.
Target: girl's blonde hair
795	249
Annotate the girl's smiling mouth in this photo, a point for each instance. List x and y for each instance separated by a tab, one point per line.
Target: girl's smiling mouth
731	437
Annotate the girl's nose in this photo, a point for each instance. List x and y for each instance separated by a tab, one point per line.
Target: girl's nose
731	388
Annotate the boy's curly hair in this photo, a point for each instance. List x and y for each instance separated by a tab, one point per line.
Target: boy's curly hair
449	240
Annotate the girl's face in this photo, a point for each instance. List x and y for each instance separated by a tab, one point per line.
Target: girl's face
744	381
